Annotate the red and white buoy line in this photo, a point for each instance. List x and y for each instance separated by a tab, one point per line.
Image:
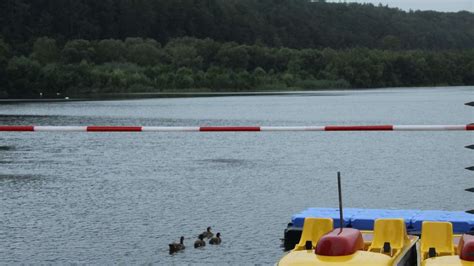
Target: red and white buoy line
237	128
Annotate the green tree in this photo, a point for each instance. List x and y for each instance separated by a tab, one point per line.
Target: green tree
311	60
289	79
23	77
391	42
296	24
182	55
4	56
207	49
45	50
131	41
233	56
4	52
110	50
184	78
245	81
145	54
76	51
259	75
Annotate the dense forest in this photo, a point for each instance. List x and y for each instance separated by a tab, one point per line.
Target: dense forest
288	23
87	47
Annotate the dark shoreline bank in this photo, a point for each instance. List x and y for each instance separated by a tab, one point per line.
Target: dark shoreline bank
153	95
137	96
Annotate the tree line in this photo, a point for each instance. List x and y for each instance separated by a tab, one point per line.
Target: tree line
79	67
275	23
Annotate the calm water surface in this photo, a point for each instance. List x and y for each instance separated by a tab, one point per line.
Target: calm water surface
122	197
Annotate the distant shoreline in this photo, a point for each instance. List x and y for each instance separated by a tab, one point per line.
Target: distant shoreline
195	94
150	95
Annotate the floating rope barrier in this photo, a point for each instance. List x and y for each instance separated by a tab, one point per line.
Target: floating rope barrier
237	128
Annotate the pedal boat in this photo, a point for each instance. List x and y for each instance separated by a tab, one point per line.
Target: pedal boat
387	244
439	246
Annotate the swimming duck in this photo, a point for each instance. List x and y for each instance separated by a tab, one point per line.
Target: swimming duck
215	240
200	242
175	247
207	233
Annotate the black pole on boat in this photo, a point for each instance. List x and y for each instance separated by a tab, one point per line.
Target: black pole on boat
341	220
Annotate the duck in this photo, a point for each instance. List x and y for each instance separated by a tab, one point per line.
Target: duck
215	240
207	234
175	247
200	242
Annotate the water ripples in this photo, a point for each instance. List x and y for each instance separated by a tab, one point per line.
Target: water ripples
120	198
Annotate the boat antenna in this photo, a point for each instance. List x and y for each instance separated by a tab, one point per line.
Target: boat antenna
341	216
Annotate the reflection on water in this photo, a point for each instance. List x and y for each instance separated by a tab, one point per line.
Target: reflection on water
226	161
6	148
121	198
18	177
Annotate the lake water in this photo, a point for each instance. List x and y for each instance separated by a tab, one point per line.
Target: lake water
122	197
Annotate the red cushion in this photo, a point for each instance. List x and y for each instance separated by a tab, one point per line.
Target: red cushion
466	247
336	243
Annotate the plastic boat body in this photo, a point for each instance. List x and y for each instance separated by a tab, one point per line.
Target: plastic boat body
387	244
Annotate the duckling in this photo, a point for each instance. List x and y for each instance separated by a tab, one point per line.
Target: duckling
200	242
175	247
215	240
207	234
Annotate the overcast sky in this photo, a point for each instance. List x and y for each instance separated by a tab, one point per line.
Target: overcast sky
438	5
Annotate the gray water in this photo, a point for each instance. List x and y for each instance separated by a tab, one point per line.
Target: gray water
122	197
